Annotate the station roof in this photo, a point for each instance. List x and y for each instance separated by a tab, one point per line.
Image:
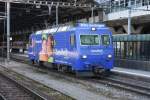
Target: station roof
27	15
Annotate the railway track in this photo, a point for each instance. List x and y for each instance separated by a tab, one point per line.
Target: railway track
10	89
37	90
2	97
125	82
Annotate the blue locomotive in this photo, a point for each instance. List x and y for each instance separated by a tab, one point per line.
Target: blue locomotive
83	48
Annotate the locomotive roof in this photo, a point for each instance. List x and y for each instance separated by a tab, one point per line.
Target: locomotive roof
69	28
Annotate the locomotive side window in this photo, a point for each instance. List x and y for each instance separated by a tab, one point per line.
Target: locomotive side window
105	39
89	39
72	40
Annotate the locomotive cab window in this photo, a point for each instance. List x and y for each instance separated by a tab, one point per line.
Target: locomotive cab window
89	39
105	40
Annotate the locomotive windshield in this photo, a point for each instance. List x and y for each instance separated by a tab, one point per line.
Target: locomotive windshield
105	39
89	39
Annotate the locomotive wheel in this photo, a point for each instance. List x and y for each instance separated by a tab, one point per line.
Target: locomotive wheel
84	74
40	63
69	69
32	61
59	67
54	66
107	72
62	68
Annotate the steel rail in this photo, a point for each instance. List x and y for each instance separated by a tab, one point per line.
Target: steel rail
114	82
2	97
23	87
68	97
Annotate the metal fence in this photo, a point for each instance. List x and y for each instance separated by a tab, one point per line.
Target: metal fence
119	5
133	47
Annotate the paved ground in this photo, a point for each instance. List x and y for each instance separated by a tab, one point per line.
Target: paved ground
132	72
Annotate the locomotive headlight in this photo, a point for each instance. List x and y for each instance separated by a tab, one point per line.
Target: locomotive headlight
84	56
93	29
109	56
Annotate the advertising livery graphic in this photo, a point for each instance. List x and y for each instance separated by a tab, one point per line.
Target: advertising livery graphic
46	52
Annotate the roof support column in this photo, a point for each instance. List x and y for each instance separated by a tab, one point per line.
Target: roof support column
92	14
57	15
129	17
8	30
101	16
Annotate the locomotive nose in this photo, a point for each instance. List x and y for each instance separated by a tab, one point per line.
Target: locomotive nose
90	59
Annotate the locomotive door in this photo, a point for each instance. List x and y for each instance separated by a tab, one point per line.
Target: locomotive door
72	49
72	42
33	45
31	49
30	46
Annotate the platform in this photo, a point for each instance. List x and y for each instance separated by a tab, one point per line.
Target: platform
21	55
134	72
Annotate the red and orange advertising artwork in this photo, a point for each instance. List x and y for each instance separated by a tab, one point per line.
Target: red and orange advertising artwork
47	48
